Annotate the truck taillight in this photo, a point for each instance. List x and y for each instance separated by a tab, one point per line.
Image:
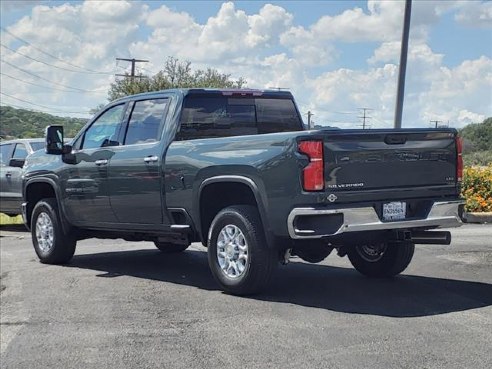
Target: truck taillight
313	178
459	159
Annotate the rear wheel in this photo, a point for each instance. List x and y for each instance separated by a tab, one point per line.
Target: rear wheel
238	254
170	248
385	259
50	243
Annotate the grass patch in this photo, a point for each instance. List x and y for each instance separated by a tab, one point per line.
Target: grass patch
6	220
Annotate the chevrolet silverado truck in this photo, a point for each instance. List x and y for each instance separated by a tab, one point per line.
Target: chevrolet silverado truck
237	171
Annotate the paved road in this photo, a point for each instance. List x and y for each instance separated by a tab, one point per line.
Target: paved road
124	305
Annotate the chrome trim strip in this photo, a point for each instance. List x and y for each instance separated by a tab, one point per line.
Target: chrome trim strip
442	214
180	226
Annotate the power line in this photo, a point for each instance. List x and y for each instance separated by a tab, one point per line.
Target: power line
47	80
50	55
35	84
52	65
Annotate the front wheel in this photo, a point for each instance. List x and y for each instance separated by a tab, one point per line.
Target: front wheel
238	254
51	244
385	259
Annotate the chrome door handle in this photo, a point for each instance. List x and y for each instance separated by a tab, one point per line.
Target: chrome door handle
8	174
101	162
151	159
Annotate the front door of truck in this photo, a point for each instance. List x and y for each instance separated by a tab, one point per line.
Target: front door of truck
85	176
135	172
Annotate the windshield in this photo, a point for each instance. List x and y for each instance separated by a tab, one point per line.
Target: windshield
37	145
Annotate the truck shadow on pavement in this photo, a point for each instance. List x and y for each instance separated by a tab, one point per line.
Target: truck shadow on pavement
13	228
311	285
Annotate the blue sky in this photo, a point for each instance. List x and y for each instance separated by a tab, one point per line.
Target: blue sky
335	56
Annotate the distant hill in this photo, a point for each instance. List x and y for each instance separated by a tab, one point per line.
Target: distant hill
21	123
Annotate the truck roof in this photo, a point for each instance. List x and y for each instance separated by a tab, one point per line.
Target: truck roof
215	91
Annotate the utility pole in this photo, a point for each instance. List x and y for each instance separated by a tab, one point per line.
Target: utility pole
277	88
364	116
403	64
133	61
309	114
436	122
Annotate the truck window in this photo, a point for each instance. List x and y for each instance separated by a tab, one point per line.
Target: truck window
20	151
145	122
35	146
223	116
217	116
277	115
106	127
5	154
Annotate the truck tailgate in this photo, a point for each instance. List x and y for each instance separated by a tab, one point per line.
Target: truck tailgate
387	159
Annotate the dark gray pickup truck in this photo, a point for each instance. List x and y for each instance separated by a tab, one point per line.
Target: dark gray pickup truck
237	171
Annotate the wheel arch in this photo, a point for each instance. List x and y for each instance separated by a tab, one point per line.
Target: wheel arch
218	192
40	188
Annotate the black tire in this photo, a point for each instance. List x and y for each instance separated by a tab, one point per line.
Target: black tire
170	248
392	261
62	245
260	260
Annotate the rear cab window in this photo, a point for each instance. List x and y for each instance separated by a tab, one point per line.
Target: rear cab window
208	116
146	121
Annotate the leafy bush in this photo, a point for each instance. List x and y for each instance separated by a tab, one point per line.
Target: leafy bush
477	188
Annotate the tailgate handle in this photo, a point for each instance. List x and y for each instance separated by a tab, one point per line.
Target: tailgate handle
395	139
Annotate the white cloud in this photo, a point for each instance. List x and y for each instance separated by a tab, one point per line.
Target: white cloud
268	25
269	48
476	14
461	95
89	36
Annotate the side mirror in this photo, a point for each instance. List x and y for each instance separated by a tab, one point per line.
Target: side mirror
17	163
54	140
107	142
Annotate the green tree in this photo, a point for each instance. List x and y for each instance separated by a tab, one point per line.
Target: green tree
477	143
175	74
478	136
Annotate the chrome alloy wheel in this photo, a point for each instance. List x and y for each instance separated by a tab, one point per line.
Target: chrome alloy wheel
372	253
232	251
44	232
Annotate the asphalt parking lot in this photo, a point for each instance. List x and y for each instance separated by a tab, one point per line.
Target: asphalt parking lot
126	305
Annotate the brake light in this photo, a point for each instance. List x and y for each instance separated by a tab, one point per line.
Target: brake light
459	159
313	178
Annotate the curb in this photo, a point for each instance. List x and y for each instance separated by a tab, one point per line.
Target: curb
477	217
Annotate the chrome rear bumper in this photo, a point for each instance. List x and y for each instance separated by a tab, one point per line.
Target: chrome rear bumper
442	214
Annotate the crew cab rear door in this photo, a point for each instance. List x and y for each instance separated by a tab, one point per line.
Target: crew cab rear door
135	179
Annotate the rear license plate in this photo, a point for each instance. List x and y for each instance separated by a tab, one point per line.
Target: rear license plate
394	210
